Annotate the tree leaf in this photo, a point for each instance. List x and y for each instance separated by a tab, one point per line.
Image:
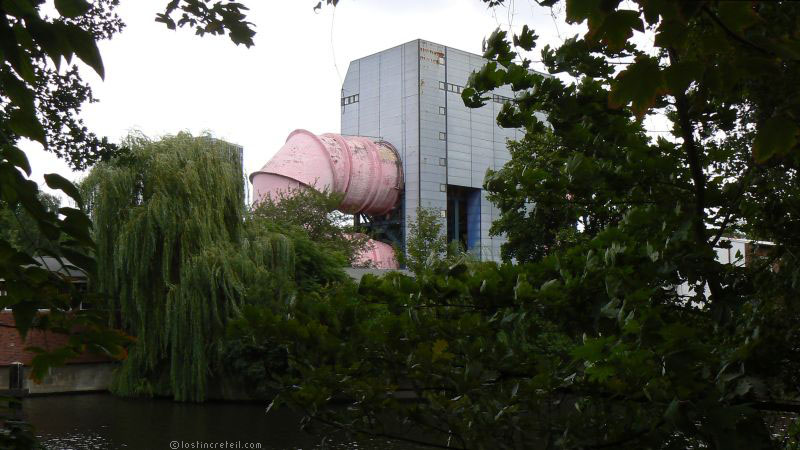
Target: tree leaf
671	33
438	348
775	137
640	84
85	47
580	10
16	90
24	313
617	28
52	38
25	123
17	157
165	19
526	39
14	53
737	15
672	411
56	181
19	8
77	224
679	76
72	8
591	350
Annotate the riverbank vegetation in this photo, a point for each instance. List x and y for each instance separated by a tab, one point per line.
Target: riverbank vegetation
617	327
179	254
622	329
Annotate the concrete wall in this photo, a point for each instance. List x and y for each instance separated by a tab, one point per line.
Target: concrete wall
70	378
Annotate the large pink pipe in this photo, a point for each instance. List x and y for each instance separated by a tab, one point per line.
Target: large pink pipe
368	173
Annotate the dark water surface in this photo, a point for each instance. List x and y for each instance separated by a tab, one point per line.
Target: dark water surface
102	421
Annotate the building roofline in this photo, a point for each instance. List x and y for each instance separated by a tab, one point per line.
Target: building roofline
418	40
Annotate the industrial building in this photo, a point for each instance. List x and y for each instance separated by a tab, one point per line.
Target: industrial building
403	106
410	96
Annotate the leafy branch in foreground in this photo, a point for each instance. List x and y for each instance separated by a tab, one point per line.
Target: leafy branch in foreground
40	99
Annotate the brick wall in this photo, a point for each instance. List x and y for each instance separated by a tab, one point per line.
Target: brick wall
12	346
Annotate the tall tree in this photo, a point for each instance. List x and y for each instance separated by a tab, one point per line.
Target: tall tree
174	256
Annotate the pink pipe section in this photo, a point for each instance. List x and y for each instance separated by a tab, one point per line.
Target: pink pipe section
377	254
368	173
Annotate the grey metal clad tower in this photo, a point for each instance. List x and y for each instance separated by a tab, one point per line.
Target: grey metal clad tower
410	96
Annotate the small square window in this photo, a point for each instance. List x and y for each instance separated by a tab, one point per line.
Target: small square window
442	161
442	85
443	188
355	99
442	136
442	110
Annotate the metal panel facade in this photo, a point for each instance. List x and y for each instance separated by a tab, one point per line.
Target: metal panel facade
410	95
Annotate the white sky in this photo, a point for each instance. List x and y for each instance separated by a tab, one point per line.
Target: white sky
161	82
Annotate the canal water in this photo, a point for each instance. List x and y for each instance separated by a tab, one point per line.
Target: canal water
102	421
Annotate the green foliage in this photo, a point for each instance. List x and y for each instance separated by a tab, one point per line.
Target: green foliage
18	228
426	243
41	101
174	256
315	264
28	286
180	256
591	343
315	213
215	18
27	108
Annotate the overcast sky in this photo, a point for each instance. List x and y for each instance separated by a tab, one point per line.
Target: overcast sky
161	82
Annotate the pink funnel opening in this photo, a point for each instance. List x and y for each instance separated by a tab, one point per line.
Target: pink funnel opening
368	173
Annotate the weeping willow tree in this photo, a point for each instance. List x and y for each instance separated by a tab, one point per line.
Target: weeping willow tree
176	260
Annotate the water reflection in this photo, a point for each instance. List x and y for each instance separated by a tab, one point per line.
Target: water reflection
102	421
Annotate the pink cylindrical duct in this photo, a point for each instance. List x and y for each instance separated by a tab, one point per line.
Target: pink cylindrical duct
379	255
368	173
